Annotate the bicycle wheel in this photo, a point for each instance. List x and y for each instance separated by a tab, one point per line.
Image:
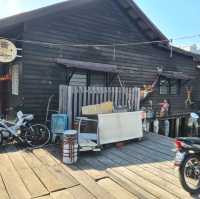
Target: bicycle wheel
37	135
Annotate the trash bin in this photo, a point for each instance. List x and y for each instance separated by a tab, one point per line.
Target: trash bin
70	147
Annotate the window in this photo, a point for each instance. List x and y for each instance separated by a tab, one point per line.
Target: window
169	86
164	87
174	87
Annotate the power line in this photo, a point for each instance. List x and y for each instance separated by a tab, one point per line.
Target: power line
170	41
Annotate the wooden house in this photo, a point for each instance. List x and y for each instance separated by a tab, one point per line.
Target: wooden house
77	42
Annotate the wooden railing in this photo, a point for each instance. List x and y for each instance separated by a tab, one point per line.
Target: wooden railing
72	98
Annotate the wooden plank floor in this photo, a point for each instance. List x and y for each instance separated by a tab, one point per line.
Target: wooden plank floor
139	170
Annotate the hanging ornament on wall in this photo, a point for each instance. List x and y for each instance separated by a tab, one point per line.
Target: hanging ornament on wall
8	51
6	77
188	101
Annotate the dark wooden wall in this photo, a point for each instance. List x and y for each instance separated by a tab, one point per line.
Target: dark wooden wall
99	22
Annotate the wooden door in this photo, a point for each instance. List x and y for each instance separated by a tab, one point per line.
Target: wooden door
4	94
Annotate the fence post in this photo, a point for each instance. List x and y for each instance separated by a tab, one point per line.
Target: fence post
69	106
138	99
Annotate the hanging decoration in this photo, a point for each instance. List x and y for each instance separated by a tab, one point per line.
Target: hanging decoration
6	77
147	89
8	51
164	108
188	101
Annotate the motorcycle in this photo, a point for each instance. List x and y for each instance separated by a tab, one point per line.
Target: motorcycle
188	161
23	131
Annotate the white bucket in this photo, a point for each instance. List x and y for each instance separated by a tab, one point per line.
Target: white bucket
70	147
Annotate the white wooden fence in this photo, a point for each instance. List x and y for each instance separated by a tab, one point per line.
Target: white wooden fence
72	98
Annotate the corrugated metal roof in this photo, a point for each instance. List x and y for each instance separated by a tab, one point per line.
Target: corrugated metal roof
176	75
108	68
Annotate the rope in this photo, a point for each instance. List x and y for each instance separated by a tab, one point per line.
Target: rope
104	45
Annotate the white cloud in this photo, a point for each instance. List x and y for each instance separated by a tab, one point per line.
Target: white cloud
10	7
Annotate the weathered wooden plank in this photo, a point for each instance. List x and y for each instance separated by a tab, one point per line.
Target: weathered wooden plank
88	183
33	184
48	179
3	192
79	192
143	164
45	197
43	156
143	156
137	167
13	183
115	165
140	181
61	175
16	158
159	148
64	194
31	159
129	185
163	140
178	192
87	166
116	190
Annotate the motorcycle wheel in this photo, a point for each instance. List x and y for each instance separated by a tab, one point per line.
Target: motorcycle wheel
189	180
37	135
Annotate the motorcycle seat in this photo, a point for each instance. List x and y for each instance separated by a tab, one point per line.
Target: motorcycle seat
28	116
190	140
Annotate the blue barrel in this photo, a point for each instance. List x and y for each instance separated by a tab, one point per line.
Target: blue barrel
59	123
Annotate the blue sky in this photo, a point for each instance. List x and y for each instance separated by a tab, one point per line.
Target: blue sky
173	17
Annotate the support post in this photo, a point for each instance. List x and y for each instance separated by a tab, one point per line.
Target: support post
177	126
69	106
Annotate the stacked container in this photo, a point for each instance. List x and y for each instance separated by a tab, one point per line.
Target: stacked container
59	123
70	147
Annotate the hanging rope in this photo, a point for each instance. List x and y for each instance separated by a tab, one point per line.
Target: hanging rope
104	45
114	53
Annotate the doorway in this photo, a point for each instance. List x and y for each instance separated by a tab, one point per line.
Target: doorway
4	90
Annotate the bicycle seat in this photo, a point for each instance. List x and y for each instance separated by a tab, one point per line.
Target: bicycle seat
190	140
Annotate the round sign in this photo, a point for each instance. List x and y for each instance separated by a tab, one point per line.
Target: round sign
8	51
